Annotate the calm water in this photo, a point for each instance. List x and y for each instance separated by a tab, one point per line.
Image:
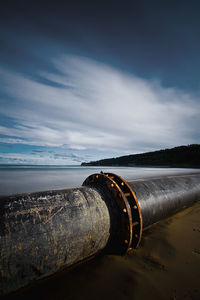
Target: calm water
19	179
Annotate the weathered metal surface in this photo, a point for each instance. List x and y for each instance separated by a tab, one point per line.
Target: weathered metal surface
122	238
162	197
42	232
136	224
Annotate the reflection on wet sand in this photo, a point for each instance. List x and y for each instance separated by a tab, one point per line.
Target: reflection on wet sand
166	266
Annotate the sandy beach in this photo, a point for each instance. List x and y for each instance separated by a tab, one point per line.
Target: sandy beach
165	266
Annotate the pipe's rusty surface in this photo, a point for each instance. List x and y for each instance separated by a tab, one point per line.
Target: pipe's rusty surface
151	200
43	232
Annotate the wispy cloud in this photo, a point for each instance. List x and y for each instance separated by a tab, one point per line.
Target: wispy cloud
94	106
41	157
38	159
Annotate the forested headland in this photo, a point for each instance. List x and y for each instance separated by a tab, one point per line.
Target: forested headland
182	156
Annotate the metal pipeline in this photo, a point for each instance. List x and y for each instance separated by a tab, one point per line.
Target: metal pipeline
40	233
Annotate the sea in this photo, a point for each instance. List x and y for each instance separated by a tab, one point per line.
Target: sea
16	179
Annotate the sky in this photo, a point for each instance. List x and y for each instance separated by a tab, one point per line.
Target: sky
87	80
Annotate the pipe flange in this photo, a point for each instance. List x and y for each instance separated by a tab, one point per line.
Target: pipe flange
102	179
130	195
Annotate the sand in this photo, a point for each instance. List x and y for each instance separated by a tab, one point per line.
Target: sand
165	266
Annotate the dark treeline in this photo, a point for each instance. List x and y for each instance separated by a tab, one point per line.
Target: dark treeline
183	156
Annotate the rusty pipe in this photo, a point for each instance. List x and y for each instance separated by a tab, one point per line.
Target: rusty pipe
40	233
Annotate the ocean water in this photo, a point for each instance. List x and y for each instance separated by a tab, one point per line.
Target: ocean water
19	179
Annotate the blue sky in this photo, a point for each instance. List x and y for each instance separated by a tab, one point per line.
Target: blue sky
93	79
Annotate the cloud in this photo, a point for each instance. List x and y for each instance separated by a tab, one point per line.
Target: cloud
18	158
95	106
40	158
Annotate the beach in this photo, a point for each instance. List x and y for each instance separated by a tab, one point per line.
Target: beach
165	266
100	150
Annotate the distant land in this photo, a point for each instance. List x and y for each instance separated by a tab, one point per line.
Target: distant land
178	157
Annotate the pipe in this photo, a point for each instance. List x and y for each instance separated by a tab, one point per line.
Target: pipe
40	233
162	197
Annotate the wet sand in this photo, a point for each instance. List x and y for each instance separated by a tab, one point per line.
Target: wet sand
165	266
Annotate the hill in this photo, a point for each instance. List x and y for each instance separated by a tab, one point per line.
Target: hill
183	156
